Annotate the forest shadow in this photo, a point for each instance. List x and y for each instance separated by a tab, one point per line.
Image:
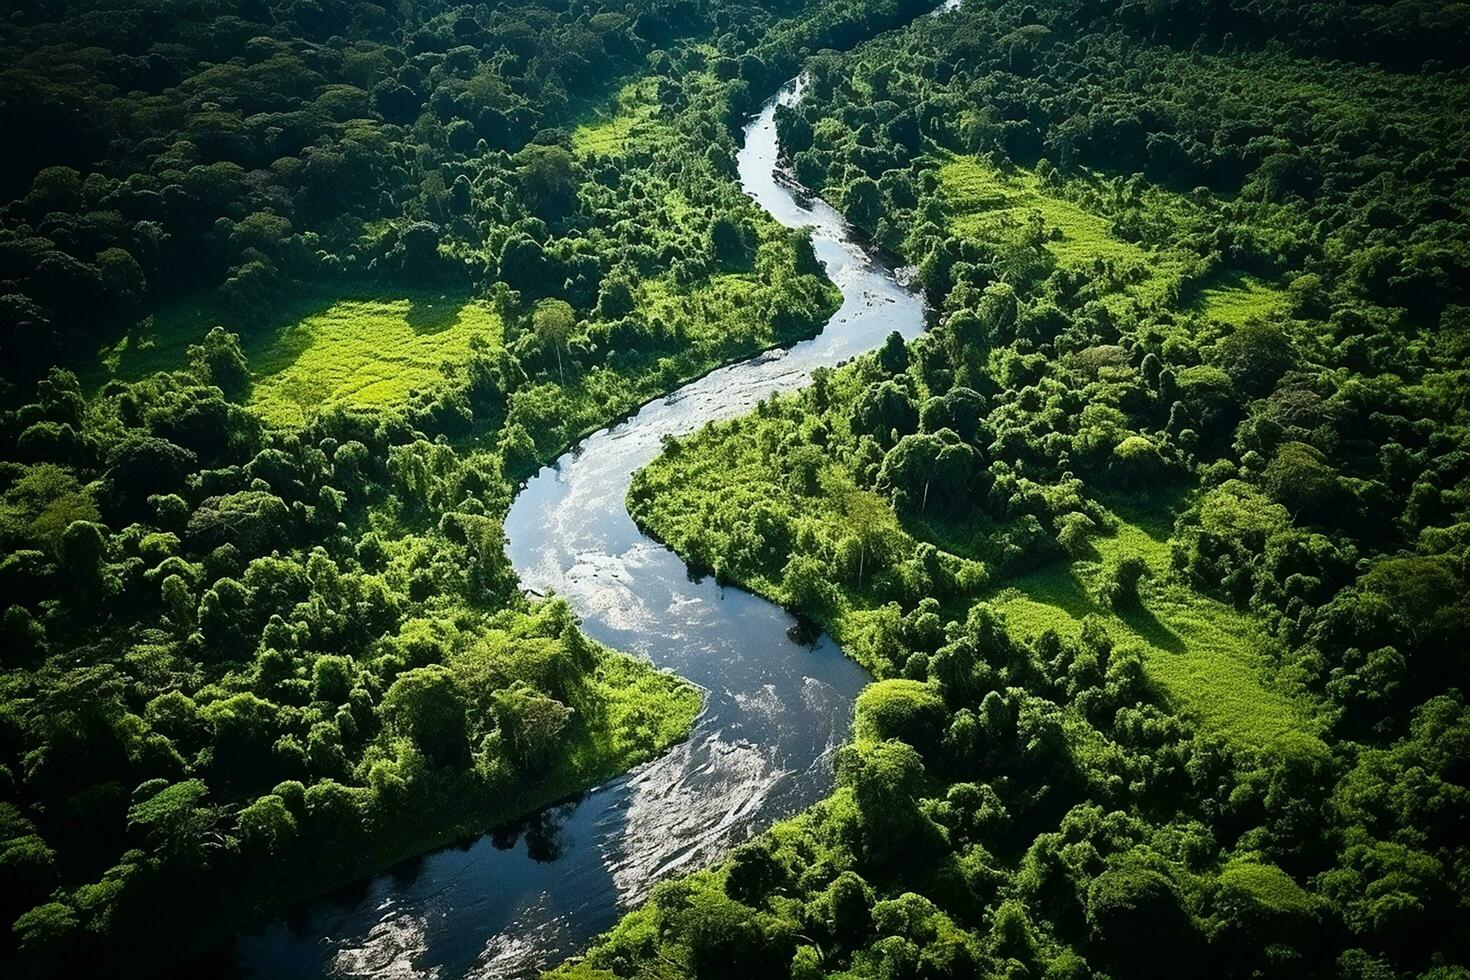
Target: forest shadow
803	631
280	342
430	316
1152	511
965	536
1085	550
1226	280
1058	586
159	341
1141	620
1235	296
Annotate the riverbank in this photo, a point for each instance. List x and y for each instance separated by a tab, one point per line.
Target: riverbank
775	712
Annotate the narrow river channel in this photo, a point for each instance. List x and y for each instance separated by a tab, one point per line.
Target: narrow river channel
513	903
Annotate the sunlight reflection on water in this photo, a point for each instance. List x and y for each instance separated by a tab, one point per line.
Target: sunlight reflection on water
512	903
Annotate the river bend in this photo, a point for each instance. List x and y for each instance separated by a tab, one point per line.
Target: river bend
513	903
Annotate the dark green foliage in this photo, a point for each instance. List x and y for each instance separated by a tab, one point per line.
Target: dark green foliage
885	411
1138	923
753	874
220	362
425	706
921	468
1301	479
901	709
729	242
1119	584
886	780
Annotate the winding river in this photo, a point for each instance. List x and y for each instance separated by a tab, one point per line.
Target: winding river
512	903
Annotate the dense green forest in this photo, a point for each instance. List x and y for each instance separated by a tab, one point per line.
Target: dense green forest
293	294
1156	543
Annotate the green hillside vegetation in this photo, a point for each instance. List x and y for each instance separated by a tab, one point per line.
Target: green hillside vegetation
356	320
984	203
731	502
980	198
160	341
1209	658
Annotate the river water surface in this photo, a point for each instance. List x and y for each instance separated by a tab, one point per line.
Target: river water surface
513	903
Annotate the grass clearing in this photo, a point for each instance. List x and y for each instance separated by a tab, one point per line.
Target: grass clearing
1206	655
1238	298
983	198
985	202
161	340
636	104
340	346
362	352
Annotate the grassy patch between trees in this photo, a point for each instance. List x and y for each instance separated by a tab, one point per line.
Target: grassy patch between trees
987	202
364	353
1204	653
608	134
1238	298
